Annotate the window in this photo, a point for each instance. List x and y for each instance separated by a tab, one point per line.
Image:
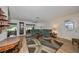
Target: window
12	30
21	28
69	25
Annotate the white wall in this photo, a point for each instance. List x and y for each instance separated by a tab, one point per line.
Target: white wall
42	26
3	35
62	31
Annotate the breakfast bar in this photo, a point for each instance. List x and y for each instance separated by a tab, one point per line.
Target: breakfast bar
8	44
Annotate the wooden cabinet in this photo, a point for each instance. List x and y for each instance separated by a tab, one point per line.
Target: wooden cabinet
3	21
74	40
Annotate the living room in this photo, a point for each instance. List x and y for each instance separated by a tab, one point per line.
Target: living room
39	29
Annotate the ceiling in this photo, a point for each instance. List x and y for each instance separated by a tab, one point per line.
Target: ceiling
41	13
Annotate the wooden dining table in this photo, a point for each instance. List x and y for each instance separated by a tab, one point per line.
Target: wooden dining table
8	43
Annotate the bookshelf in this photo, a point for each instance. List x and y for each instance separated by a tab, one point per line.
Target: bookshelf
3	21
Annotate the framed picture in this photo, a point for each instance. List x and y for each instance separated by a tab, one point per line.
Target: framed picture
21	28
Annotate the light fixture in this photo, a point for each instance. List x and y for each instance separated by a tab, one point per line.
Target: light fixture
55	28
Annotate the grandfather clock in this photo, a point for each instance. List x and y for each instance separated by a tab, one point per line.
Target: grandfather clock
3	21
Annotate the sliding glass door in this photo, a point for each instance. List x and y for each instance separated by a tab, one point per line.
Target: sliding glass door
12	30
